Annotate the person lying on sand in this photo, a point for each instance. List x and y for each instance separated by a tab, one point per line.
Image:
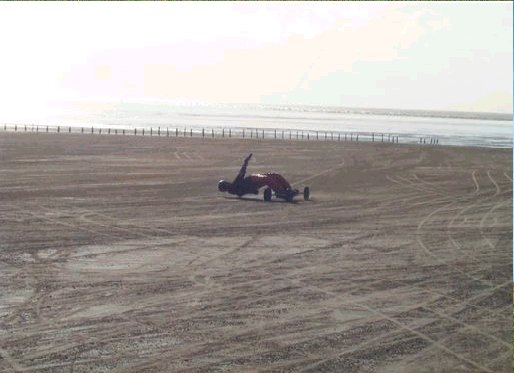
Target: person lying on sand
251	184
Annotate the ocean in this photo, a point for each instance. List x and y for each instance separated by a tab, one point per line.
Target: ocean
449	128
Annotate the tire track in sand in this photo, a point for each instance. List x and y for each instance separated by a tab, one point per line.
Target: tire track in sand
490	211
434	212
508	177
450	225
11	361
394	321
301	181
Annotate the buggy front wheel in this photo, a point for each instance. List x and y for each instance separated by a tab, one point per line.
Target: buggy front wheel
267	194
306	193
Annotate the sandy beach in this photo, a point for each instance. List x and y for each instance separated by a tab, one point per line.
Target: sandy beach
117	253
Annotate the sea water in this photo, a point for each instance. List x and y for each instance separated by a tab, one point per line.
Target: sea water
449	128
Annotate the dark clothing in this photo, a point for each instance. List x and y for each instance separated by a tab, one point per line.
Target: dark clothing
251	184
243	186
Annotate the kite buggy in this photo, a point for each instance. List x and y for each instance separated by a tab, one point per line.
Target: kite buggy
275	185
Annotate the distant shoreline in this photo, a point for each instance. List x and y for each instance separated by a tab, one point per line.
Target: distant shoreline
333	109
395	112
452	128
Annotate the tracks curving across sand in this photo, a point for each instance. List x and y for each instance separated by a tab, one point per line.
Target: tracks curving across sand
115	259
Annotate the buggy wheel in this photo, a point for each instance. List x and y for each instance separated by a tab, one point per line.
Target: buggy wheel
267	194
306	193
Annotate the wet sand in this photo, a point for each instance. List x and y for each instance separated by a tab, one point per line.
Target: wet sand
119	254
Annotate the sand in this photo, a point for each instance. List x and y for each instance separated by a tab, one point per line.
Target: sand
119	254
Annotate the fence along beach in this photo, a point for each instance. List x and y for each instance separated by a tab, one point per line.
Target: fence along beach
280	122
236	133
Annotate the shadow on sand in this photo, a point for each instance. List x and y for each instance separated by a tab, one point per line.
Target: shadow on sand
274	200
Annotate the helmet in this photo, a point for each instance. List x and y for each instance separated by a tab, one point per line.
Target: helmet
223	185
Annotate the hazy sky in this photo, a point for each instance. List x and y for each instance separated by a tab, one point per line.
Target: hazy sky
400	55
